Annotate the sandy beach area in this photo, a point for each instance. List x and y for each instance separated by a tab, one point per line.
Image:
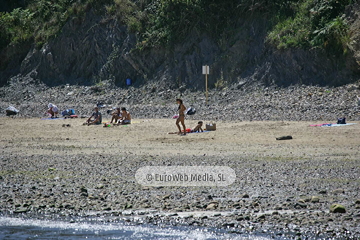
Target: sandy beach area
48	168
145	137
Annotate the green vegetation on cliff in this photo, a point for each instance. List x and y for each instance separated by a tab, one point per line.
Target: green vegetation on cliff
319	23
304	23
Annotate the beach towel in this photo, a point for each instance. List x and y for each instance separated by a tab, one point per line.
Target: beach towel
49	118
338	125
320	125
187	132
330	125
108	124
200	132
72	116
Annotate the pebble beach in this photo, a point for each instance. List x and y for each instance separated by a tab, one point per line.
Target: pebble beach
60	169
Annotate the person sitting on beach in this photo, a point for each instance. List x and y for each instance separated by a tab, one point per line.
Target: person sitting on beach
116	115
97	117
198	127
125	117
53	110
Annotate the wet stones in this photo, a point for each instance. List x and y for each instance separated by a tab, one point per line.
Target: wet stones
21	210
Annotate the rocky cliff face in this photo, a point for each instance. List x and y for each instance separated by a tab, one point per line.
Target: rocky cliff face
90	49
353	15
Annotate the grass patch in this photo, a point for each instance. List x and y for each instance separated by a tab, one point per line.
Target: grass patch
40	20
315	23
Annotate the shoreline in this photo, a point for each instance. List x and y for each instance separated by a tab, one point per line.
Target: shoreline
252	226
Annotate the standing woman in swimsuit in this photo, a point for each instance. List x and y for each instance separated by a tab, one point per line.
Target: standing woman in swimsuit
181	117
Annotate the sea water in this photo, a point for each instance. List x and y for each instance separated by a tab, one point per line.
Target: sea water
18	228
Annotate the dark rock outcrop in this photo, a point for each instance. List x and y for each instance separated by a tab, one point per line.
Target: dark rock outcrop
92	48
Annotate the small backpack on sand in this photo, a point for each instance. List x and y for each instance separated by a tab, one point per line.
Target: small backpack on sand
191	111
68	112
341	121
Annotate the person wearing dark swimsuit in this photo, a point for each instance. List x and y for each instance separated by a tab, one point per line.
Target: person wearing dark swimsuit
181	118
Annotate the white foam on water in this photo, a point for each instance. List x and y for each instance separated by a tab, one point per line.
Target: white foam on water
119	230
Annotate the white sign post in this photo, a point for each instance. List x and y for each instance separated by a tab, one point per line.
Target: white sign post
206	72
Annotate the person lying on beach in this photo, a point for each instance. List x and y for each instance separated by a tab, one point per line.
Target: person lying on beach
116	115
198	127
125	117
97	117
53	110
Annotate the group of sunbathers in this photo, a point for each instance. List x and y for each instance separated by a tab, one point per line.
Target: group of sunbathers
122	117
119	117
